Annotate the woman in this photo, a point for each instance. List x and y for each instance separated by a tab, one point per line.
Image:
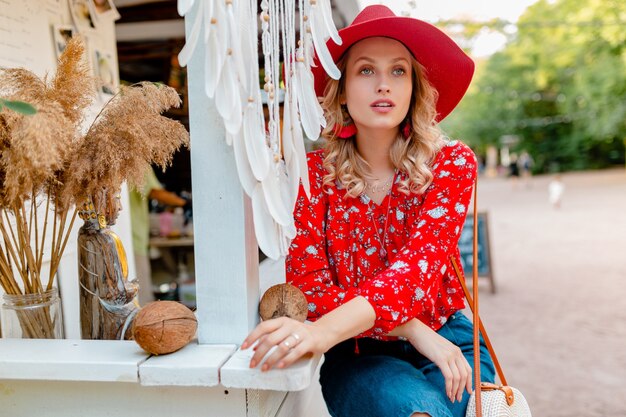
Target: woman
389	196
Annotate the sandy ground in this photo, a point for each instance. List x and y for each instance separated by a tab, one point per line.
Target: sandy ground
558	320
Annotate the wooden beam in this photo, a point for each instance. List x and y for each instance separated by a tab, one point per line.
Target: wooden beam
156	30
148	10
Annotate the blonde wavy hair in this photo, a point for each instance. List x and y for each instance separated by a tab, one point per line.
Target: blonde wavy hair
412	156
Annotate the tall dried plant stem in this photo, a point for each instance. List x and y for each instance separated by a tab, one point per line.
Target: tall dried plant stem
9	245
18	261
35	323
19	245
5	257
57	237
33	209
56	255
43	235
26	248
24	245
54	232
6	274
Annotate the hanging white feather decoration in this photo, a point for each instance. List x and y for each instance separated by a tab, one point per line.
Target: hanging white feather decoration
290	232
311	113
254	139
290	154
289	194
235	45
217	48
227	95
309	50
232	79
265	228
298	141
220	21
248	181
190	45
284	241
214	62
318	31
184	6
274	197
228	84
209	9
327	14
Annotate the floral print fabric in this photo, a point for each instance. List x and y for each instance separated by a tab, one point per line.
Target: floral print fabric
337	253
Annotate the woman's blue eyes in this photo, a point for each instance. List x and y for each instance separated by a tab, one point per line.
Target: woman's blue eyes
396	71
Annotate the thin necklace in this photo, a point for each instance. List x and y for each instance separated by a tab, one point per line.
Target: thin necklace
380	187
383	251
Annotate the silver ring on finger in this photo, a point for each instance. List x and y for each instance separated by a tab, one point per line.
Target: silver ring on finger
296	336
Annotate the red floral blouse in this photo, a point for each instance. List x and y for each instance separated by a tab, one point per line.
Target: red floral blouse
338	253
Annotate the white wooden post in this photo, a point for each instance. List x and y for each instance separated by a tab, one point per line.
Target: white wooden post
226	254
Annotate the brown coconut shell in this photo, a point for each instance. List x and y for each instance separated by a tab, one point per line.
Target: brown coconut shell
164	327
283	300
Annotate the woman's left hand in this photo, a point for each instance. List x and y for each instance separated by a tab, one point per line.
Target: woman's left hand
293	339
453	365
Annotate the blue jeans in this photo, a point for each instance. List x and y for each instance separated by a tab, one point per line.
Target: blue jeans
392	379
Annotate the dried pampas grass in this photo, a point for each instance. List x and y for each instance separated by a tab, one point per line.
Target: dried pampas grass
64	89
19	83
45	159
33	158
125	139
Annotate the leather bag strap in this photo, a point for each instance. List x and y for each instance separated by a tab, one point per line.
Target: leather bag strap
483	331
473	304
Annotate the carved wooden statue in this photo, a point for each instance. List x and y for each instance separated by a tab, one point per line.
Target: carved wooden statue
108	301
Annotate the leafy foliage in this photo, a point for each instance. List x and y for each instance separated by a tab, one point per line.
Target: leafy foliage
559	85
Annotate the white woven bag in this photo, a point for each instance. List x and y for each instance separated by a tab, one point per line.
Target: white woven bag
496	402
487	400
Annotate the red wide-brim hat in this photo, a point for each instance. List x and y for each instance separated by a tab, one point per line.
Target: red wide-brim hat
448	69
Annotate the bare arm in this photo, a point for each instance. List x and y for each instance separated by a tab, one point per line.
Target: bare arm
443	353
347	320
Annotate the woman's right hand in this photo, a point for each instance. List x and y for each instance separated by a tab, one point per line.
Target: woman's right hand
295	339
292	339
446	355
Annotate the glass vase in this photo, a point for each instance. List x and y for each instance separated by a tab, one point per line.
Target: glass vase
32	316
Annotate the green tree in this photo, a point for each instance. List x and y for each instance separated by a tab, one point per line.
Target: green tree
559	85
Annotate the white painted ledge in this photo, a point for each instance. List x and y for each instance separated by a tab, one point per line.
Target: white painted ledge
70	360
124	361
110	361
193	365
236	373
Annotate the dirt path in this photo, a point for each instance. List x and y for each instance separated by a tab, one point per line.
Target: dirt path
558	321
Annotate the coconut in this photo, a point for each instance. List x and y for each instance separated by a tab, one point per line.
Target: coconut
164	327
283	300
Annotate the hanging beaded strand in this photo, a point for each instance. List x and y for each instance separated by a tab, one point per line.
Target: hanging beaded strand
269	41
